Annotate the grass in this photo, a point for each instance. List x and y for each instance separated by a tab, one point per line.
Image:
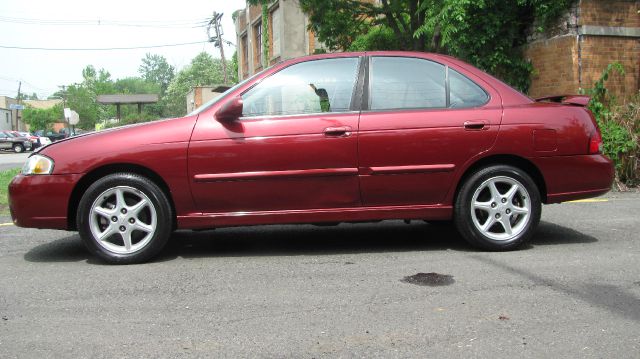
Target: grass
5	178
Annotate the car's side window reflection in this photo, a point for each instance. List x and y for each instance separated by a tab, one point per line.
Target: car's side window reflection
305	88
464	93
411	83
405	83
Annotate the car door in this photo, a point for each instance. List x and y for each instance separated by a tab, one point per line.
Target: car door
5	143
424	121
294	148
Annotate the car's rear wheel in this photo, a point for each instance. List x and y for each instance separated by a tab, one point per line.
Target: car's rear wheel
18	148
498	208
124	218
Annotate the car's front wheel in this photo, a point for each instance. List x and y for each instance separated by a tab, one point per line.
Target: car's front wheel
498	208
124	218
18	148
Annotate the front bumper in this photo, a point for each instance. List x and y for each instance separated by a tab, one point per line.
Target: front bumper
41	201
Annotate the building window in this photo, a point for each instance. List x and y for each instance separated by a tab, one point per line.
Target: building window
245	57
257	58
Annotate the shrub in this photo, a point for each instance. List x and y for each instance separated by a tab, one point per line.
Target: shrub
620	126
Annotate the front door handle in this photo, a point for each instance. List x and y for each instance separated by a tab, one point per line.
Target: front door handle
341	131
476	125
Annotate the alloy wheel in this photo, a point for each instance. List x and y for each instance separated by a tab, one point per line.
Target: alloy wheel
123	220
501	208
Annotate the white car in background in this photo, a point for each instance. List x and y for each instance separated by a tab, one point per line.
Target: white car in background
36	141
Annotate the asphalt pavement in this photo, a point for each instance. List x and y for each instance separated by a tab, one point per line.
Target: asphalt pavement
355	290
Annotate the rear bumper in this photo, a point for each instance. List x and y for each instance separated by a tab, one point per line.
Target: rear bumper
41	201
569	178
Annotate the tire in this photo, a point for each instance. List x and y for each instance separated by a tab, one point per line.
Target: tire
498	208
142	214
18	148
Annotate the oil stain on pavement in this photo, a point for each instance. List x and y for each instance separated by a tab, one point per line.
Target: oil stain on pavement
429	279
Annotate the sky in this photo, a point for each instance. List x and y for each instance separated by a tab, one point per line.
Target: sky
74	24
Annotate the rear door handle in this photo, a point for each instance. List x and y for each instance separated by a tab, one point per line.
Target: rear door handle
476	125
341	131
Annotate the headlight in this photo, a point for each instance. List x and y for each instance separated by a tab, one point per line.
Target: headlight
38	165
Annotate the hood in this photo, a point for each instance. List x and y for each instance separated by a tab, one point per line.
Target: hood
119	144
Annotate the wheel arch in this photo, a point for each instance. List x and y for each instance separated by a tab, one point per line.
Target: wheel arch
99	172
503	159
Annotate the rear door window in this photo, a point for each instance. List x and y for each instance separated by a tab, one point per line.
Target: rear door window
406	83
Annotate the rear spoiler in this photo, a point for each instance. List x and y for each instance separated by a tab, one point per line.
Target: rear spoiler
575	100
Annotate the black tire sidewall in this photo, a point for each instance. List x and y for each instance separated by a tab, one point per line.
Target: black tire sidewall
462	212
158	199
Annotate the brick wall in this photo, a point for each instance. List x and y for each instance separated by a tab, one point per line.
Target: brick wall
555	63
609	13
562	65
600	51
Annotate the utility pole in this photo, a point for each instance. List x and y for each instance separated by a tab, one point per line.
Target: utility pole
64	98
18	110
217	40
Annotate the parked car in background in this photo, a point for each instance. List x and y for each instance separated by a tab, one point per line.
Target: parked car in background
345	137
36	141
51	135
10	141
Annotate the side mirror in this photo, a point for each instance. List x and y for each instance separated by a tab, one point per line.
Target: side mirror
230	111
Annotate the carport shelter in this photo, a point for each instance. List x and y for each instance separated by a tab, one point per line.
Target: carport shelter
139	99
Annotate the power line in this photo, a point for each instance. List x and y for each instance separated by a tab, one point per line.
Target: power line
193	23
100	49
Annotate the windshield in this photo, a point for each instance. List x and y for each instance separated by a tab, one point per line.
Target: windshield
223	95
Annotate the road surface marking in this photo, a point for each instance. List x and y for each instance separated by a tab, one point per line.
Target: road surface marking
592	200
6	224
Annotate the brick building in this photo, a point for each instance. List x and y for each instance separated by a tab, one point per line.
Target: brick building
288	35
200	95
593	34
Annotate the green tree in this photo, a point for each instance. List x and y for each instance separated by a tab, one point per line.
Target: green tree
156	69
337	23
378	38
81	97
491	40
473	30
41	119
203	70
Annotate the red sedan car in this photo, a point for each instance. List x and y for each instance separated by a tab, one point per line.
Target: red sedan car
345	137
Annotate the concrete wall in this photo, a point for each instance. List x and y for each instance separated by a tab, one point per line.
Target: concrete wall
6	118
5	102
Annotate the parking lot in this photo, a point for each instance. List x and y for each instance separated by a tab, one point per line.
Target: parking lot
305	291
10	160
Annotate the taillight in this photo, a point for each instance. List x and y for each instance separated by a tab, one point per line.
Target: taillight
595	143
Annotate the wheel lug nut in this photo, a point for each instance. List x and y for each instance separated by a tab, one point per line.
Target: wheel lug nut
504	200
493	205
122	229
131	220
114	219
497	215
123	211
508	211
